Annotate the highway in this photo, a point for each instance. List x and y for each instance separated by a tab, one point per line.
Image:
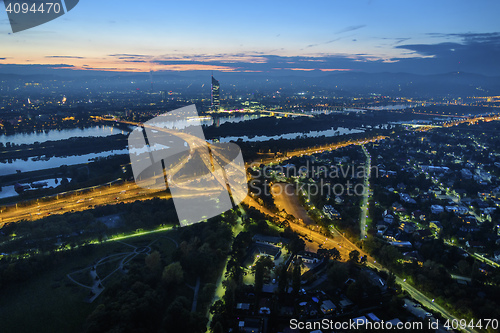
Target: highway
87	199
319	149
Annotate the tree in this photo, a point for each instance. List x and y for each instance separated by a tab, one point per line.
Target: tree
335	254
391	280
176	317
217	308
218	328
153	261
297	244
283	280
338	274
354	256
355	292
173	274
296	277
372	245
389	254
332	253
464	267
262	266
207	292
231	216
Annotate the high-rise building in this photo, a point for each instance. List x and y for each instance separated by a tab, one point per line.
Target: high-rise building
215	95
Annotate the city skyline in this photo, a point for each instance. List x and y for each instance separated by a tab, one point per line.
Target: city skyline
280	37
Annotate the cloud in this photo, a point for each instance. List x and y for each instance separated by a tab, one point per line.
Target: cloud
469	36
328	42
262	62
65	57
111	69
396	41
426	59
351	28
132	58
33	69
217	59
478	58
128	55
400	40
347	29
471	52
465	52
431	49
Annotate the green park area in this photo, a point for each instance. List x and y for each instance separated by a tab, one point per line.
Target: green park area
52	302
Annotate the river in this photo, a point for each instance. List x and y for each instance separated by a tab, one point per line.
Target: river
53	162
29	164
54	135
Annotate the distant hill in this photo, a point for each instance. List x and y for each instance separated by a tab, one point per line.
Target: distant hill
338	83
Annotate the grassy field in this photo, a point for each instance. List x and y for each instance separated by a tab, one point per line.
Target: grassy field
51	303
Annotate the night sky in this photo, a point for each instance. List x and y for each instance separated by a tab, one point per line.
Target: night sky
423	37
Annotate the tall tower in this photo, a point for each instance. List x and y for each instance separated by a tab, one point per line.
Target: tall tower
151	79
215	95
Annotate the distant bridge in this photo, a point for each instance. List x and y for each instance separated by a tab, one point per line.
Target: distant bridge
287	113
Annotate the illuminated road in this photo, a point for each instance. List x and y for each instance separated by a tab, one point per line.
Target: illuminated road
219	286
83	200
285	199
364	200
320	149
74	201
314	239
